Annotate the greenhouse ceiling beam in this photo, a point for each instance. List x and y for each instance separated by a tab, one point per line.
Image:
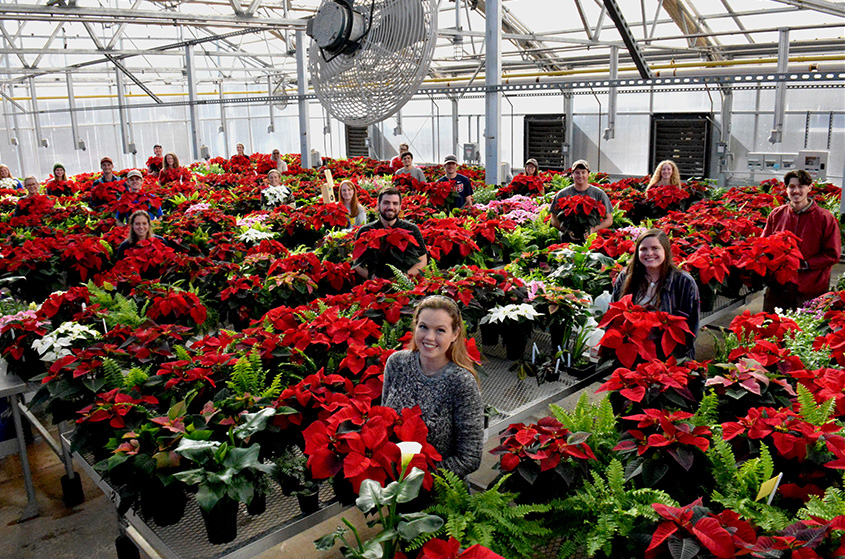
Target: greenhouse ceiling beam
628	38
49	42
122	27
737	20
29	12
823	6
132	77
11	44
692	31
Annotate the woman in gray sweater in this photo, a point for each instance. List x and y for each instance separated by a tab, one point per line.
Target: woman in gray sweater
437	375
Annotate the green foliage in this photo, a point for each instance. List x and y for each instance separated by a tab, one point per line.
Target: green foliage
390	333
828	507
708	410
605	510
484	194
817	414
738	485
594	418
489	518
112	374
800	342
122	311
401	282
182	353
136	377
559	182
249	377
432	270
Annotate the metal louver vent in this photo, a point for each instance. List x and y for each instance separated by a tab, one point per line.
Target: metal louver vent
685	139
544	137
356	141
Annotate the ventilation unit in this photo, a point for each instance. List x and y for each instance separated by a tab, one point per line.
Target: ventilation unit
685	139
545	136
357	144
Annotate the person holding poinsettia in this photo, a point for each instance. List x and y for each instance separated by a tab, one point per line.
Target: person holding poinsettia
820	243
665	174
134	197
140	229
240	159
155	162
59	185
172	171
654	282
408	167
108	187
33	202
581	187
389	209
461	184
437	374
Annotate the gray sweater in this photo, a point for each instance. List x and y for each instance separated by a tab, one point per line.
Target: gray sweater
451	406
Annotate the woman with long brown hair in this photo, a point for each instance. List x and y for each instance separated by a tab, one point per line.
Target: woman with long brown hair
437	374
347	194
654	282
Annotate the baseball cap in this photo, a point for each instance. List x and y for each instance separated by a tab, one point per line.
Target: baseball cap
581	164
450	159
106	160
134	173
531	161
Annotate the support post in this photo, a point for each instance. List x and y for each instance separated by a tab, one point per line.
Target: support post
610	131
39	138
192	98
569	130
493	97
223	125
74	125
302	89
780	89
272	127
456	149
125	131
723	148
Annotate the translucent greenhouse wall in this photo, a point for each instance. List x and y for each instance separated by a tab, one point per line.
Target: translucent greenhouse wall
815	120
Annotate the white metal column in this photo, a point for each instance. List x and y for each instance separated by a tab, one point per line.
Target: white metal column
39	137
610	131
74	125
455	147
302	89
123	112
723	148
780	92
493	97
192	98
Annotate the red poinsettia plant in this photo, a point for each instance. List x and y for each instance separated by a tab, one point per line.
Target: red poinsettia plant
775	258
530	450
693	526
655	382
579	213
710	265
628	329
394	245
522	185
665	196
115	406
358	442
441	194
451	549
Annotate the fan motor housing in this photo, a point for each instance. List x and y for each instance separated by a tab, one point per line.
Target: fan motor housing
336	27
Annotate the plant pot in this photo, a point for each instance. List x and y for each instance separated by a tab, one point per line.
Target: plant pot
556	333
221	522
707	298
581	371
343	490
309	504
171	505
490	334
516	340
258	504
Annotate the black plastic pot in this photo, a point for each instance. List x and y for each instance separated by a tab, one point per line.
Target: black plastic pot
258	504
582	371
489	334
343	490
163	505
516	340
221	522
707	298
309	504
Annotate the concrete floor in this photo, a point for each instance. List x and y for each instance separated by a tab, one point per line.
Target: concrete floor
87	531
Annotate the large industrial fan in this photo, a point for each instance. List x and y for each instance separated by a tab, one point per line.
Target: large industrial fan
369	57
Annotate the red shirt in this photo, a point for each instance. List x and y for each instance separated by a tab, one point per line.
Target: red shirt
820	244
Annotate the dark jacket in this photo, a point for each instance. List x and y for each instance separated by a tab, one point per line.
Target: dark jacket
679	297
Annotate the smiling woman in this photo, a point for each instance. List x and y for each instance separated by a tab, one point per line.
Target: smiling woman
437	375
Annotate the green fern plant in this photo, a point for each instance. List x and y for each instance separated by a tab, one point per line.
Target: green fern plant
401	282
122	311
594	418
812	412
249	377
831	505
488	518
708	410
738	484
606	512
112	374
136	377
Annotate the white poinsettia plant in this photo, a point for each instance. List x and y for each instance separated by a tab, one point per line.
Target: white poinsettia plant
57	344
255	233
276	195
521	313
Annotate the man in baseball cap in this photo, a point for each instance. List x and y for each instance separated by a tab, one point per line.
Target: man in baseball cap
581	186
135	199
463	186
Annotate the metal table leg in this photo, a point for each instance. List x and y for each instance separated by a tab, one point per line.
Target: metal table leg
31	508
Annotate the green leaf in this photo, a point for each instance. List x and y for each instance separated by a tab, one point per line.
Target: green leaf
372	550
409	488
208	496
176	410
200	452
254	422
326	543
428	523
370	496
191	477
241	458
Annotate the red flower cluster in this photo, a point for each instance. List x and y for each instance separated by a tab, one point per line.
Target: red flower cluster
113	406
775	258
547	442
